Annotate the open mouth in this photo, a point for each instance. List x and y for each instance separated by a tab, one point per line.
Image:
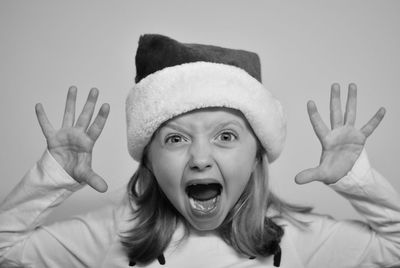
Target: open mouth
203	197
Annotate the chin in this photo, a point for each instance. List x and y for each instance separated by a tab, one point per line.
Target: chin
206	223
205	226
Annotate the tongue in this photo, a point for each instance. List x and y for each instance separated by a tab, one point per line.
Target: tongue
204	191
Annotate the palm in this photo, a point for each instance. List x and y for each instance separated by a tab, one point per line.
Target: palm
342	145
341	149
75	147
72	145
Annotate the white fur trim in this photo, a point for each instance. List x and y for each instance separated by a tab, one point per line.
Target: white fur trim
175	90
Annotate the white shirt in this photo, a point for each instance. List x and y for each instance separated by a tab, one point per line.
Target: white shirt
92	240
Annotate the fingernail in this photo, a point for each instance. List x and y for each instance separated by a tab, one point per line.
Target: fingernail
382	111
38	106
105	108
335	86
352	86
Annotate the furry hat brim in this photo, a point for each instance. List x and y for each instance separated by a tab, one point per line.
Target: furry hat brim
175	90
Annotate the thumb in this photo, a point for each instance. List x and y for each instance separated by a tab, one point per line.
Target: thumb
307	175
95	181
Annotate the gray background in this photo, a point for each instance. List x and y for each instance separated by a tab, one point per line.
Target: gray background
304	46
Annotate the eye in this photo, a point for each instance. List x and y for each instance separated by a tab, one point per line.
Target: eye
174	138
226	136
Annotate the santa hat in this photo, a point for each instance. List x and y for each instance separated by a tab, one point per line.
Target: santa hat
173	78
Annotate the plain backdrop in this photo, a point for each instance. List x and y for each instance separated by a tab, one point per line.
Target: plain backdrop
304	46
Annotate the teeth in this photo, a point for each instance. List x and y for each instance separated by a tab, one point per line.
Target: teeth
203	206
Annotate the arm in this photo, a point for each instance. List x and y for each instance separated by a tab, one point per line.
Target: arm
379	203
25	240
46	185
346	169
351	243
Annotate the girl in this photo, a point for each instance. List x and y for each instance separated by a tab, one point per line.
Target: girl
204	130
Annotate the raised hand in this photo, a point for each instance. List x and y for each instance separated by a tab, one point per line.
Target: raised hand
343	143
72	144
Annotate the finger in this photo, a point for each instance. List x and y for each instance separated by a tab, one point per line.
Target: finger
98	124
336	114
44	122
308	175
87	112
69	113
320	128
351	105
373	123
96	182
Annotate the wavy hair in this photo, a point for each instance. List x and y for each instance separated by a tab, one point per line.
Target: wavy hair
246	228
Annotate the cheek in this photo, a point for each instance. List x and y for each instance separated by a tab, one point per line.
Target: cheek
238	179
237	173
168	173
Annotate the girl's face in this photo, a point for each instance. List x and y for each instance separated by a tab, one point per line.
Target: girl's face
202	161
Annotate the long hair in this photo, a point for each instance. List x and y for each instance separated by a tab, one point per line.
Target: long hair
246	228
155	218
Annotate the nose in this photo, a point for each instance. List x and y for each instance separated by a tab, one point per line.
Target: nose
200	156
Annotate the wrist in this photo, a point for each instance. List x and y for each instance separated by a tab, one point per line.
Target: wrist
65	160
57	173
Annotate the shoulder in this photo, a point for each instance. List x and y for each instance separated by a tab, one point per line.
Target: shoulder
300	225
112	218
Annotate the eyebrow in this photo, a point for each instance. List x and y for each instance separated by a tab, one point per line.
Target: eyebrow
222	125
230	122
174	126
